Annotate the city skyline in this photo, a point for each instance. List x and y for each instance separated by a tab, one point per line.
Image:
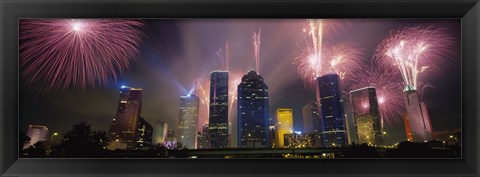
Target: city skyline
164	69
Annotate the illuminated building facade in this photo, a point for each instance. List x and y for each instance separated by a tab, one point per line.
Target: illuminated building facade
160	132
252	115
124	125
332	118
284	125
311	118
366	116
144	135
203	139
299	140
37	133
170	142
188	120
417	115
218	116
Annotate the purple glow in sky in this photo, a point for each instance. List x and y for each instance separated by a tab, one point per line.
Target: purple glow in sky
178	52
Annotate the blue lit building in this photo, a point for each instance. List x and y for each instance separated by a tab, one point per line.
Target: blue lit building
252	115
333	129
218	115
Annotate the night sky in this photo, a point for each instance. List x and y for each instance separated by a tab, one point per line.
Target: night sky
176	52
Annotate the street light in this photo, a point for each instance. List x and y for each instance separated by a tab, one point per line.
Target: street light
386	134
51	138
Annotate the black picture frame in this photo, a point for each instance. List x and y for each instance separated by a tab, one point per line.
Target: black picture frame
12	10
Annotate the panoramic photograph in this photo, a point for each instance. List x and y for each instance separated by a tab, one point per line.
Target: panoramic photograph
240	88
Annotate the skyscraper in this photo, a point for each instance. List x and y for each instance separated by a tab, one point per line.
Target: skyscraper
37	133
311	122
284	125
311	118
160	132
218	116
204	139
252	115
332	118
188	120
417	115
125	123
366	116
143	135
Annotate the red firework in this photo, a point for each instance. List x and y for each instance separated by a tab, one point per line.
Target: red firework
62	53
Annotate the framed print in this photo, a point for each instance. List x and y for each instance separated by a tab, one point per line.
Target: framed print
239	88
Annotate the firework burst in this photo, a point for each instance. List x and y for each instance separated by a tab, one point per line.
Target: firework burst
414	51
203	92
256	51
317	29
342	59
316	58
224	55
388	85
64	53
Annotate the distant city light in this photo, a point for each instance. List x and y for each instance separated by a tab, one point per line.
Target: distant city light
206	113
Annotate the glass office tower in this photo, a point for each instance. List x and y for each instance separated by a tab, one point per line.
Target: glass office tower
188	120
332	118
218	116
252	115
124	125
284	125
366	116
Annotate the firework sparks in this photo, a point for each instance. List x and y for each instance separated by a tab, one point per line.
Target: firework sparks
256	45
203	92
65	53
224	56
342	59
317	29
317	58
388	85
316	32
415	50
